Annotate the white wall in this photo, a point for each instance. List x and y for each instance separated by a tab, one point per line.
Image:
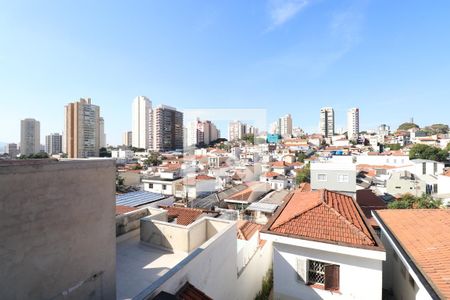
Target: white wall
388	160
443	184
360	278
251	277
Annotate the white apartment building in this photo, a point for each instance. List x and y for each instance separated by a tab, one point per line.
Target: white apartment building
285	125
353	123
142	124
201	132
327	121
102	135
30	136
53	143
236	130
12	150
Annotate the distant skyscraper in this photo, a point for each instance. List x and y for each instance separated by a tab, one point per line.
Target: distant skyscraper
82	129
236	130
327	121
167	129
142	127
127	138
101	129
250	129
53	143
30	136
12	150
201	132
353	123
285	126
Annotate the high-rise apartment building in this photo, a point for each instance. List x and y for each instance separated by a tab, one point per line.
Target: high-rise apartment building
142	127
102	135
82	129
285	126
127	138
384	130
53	143
30	136
353	123
201	132
167	129
236	130
327	121
12	150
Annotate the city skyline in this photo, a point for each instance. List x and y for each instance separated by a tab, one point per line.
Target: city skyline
302	54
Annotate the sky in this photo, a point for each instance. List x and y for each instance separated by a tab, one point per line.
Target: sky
389	58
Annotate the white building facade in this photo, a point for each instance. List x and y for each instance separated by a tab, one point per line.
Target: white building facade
142	123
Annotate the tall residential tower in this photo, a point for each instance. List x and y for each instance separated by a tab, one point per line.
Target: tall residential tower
353	123
327	121
142	127
30	136
82	129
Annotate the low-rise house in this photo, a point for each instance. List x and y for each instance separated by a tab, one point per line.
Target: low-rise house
323	248
253	193
165	183
277	181
417	243
281	167
199	185
335	176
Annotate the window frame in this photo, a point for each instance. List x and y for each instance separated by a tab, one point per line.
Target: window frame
330	273
322	180
343	175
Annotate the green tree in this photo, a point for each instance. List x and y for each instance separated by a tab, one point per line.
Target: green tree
304	174
249	138
407	126
103	152
422	151
393	147
300	156
153	159
436	129
409	201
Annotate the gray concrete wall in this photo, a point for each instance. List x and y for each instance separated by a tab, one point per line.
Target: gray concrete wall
58	229
332	180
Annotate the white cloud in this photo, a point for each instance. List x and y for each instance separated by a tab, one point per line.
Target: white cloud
282	11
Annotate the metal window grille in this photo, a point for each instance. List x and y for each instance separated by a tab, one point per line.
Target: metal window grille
316	272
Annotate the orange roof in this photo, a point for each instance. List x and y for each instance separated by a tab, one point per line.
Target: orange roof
305	187
247	229
204	177
121	209
271	174
425	236
184	215
323	215
447	173
279	164
190	292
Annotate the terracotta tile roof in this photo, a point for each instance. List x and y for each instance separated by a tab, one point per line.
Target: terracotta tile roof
325	216
447	173
184	215
279	164
204	177
305	187
368	201
121	209
271	174
424	234
190	292
246	229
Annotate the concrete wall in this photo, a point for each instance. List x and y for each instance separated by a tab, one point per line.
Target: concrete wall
131	221
58	233
332	172
211	267
388	160
251	276
360	278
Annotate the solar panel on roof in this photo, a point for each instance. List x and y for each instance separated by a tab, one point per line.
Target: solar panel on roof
134	199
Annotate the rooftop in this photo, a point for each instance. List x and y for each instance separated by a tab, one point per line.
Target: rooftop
246	229
137	198
323	216
425	237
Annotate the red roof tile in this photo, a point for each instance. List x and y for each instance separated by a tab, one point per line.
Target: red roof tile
271	174
323	215
425	236
190	292
247	229
121	209
184	215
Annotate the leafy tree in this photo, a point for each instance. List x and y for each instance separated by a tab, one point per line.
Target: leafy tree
428	152
103	152
409	201
407	126
134	149
436	129
300	156
249	138
393	147
39	155
304	175
153	159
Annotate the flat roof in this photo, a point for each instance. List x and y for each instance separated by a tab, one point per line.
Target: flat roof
139	265
138	198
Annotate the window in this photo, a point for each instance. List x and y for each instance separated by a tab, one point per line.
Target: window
424	168
435	188
164	187
319	273
342	178
150	185
435	168
322	177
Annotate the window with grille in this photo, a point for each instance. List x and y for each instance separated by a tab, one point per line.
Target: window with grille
322	273
316	272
